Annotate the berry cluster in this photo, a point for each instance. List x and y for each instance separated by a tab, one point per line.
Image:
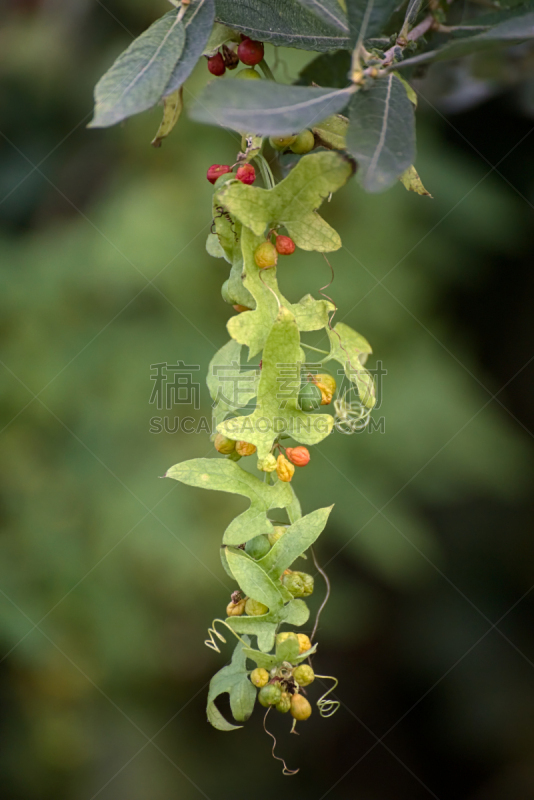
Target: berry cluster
282	686
248	52
245	173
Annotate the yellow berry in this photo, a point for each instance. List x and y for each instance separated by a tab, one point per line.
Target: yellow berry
266	255
300	708
259	677
235	609
245	448
282	142
284	469
254	608
304	642
304	675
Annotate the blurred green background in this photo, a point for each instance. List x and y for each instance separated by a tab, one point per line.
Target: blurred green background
110	577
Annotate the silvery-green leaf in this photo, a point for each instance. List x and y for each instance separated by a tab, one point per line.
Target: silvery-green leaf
232	679
138	78
197	22
223	475
381	133
511	31
318	25
266	107
368	17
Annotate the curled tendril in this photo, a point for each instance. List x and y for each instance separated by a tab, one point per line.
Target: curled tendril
351	415
327	707
211	643
285	770
326	597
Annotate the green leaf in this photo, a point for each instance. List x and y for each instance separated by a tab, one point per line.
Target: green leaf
414	6
266	107
332	132
296	540
277	408
381	134
328	69
254	581
230	387
293	201
297	613
197	22
213	246
268	661
411	181
368	17
350	349
172	108
288	650
263	627
252	327
307	24
511	31
234	680
294	510
224	475
138	78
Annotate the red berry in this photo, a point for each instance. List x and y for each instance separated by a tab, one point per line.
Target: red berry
285	245
250	52
216	170
216	64
247	174
299	456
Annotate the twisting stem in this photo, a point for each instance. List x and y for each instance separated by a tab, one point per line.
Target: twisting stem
285	770
327	595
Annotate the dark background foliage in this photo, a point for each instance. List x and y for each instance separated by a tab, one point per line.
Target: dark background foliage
109	577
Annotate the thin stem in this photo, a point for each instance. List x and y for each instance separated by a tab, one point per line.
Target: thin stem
327	595
265	68
266	174
315	349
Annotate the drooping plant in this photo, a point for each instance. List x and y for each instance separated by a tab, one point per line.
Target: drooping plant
351	111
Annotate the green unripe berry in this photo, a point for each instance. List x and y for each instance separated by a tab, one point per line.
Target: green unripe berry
254	608
276	533
282	142
300	708
248	74
310	397
259	677
223	445
304	675
284	704
270	695
258	547
304	142
300	584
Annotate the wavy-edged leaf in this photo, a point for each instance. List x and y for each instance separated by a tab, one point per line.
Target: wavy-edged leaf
511	31
296	612
232	679
172	108
254	581
197	22
368	17
295	541
230	387
253	327
138	78
306	24
276	414
266	107
293	201
294	511
381	134
223	475
351	349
